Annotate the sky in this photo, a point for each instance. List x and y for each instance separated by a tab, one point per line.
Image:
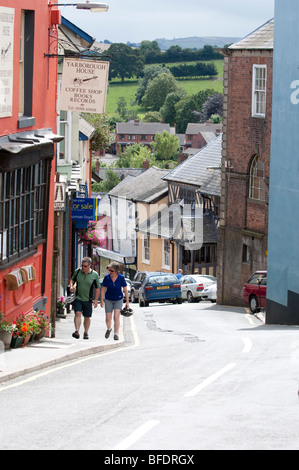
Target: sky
138	20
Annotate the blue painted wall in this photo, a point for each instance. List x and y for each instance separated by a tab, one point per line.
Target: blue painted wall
283	247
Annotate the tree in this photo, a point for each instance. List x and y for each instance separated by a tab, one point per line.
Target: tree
106	185
125	61
157	91
168	109
149	74
152	116
150	48
213	105
134	155
166	146
104	132
123	113
186	108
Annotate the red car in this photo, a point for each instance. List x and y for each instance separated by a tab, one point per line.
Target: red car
255	291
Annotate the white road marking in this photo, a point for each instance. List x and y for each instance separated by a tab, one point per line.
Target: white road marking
210	380
247	345
136	435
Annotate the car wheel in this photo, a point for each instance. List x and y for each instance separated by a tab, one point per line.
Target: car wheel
189	297
253	304
141	303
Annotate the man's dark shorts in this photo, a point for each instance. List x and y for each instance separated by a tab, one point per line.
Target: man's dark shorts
84	307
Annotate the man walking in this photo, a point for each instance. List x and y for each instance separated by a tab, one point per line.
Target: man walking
87	281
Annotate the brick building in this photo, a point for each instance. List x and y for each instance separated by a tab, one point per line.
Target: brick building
243	231
136	132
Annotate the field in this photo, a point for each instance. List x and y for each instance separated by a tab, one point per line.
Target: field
128	89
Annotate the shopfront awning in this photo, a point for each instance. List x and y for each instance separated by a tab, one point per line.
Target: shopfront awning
120	258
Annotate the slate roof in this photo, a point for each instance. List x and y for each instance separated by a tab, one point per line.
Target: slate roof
120	172
133	127
143	188
202	169
261	38
208	130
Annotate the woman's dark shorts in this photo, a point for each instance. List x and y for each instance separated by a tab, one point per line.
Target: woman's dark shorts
84	307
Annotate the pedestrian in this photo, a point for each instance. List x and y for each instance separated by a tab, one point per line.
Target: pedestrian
114	287
87	284
179	274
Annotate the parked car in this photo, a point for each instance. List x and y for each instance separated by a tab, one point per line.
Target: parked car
194	284
255	291
129	283
210	293
159	287
136	284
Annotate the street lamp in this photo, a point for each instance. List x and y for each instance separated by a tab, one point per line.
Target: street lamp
91	6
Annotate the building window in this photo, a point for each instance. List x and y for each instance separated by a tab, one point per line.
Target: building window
245	254
26	69
23	203
132	137
259	81
166	254
64	130
146	249
257	186
143	137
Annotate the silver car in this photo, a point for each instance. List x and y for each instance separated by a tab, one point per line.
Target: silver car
193	285
210	293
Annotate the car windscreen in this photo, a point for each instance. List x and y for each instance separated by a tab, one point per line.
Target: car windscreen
161	279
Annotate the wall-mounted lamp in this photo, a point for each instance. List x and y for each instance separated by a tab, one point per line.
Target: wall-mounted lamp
92	6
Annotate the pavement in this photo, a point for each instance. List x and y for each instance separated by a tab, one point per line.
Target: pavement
48	352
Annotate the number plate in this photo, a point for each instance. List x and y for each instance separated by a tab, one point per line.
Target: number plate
162	287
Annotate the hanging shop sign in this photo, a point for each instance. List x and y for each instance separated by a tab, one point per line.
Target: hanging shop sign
83	209
6	60
59	197
84	86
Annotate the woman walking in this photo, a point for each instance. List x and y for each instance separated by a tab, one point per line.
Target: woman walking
114	287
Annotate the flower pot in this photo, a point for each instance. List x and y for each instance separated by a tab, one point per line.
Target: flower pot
5	337
61	312
26	338
16	341
40	335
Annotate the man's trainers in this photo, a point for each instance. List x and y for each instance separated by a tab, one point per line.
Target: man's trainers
76	334
85	336
107	334
116	337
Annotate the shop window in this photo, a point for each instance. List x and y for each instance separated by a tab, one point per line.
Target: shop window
23	204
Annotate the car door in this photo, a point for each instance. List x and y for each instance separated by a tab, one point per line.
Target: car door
263	291
136	283
184	286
